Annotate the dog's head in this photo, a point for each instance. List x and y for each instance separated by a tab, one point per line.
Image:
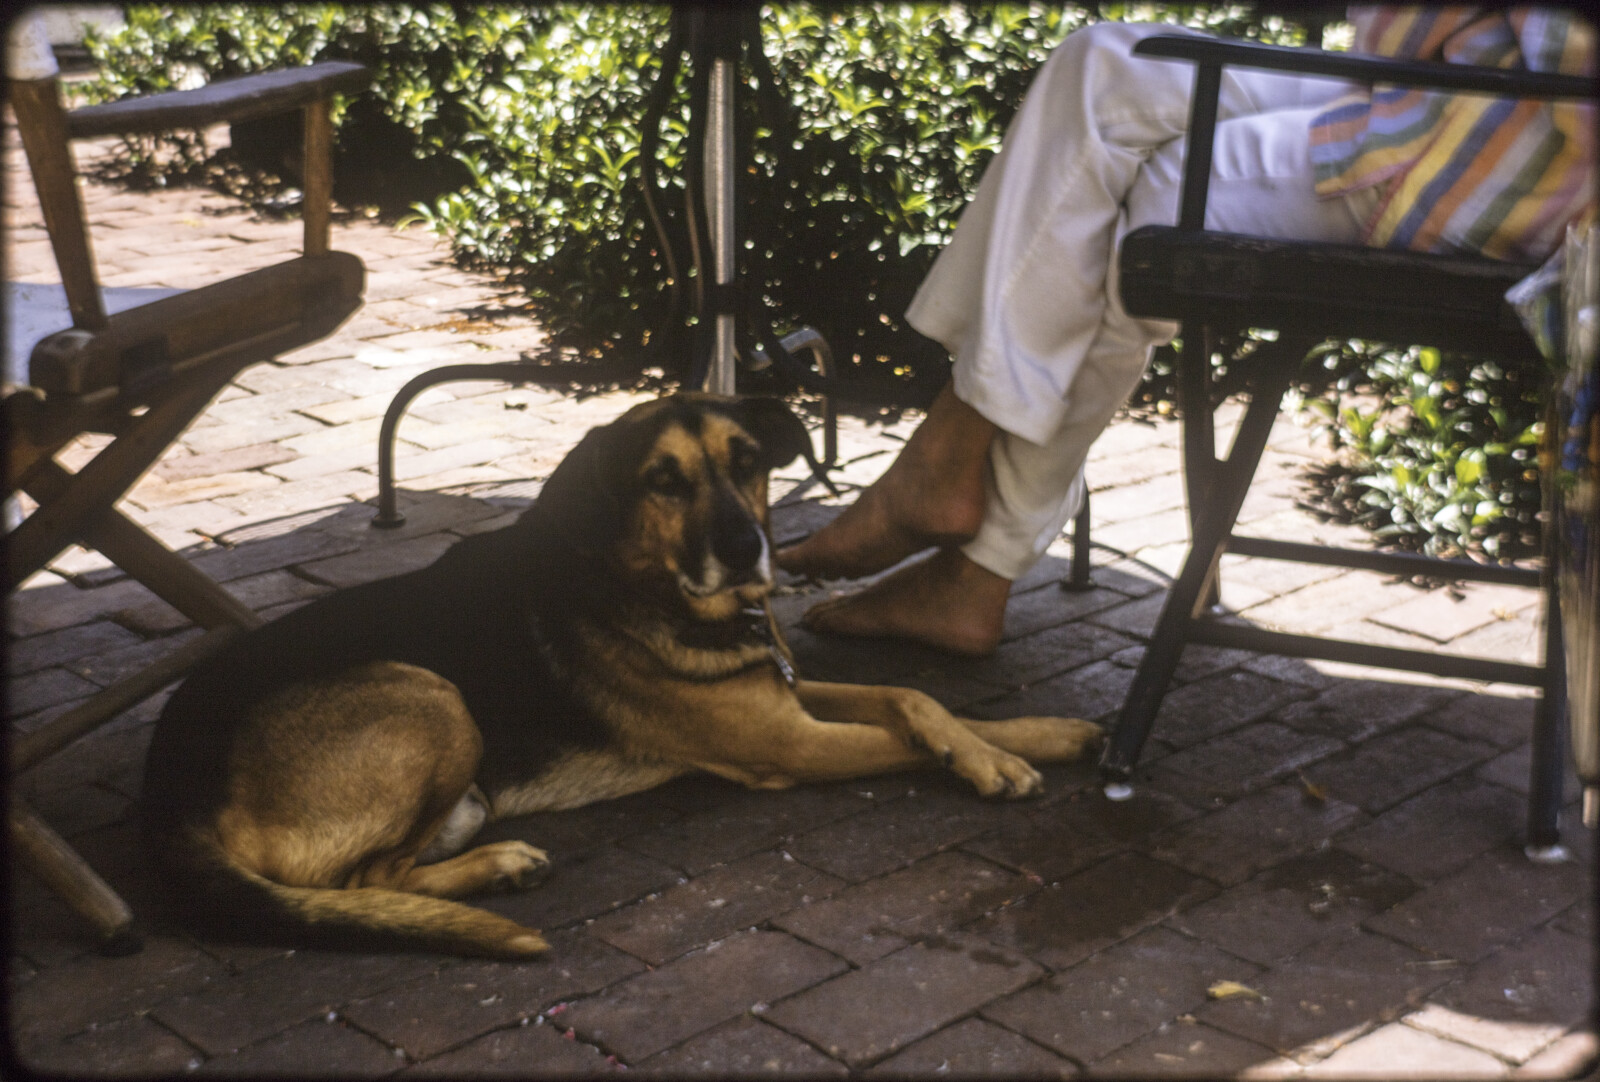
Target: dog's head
672	498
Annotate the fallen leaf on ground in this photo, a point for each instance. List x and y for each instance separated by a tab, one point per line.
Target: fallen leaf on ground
1232	990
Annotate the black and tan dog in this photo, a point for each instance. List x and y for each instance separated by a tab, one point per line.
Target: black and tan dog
321	777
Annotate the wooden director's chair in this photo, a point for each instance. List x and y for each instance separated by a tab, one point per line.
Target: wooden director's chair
142	375
1219	284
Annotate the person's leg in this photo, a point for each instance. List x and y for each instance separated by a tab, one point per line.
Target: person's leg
1008	371
931	494
1027	303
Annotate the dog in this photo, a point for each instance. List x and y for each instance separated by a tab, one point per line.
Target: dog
318	780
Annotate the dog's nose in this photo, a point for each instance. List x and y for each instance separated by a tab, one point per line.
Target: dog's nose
736	539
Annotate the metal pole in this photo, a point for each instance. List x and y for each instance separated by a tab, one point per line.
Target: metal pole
719	214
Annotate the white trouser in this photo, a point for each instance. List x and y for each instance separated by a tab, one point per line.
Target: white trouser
1024	295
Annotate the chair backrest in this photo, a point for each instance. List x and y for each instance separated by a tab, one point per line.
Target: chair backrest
42	123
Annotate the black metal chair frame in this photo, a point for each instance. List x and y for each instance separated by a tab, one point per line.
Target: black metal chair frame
1219	283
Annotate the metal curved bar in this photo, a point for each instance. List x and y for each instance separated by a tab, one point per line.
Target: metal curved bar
389	516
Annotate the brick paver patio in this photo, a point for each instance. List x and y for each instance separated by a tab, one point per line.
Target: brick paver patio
1342	845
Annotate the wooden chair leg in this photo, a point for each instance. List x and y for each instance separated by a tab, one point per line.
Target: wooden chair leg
55	525
1224	495
43	852
168	575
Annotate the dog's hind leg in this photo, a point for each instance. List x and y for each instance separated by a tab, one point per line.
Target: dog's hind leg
351	781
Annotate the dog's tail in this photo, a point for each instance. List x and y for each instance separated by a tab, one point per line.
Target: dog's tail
224	896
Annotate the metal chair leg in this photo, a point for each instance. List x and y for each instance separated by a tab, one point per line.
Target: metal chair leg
1078	580
1547	769
1224	496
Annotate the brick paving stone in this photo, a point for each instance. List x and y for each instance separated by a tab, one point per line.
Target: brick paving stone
1353	710
510	1053
368	565
1120	994
125	659
241	1009
869	920
1446	614
844	661
270	554
974	1048
443	1009
1505	720
1161	528
1092	692
1288	907
710	906
1513	770
1050	606
913	992
1051	843
1160	493
1084	913
1510	895
1333	987
154	493
1184	1049
1209	707
1125	576
334	489
1136	618
582	885
737	822
1387	769
1239	762
52	606
1031	658
41	690
1460	819
654	1011
216	438
174	468
1254	832
128	1047
743	1048
1570	1057
426	513
1196	663
1291	670
323	1048
882	840
1315	608
70	998
1398	1051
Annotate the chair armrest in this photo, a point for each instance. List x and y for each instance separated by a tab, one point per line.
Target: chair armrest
1321	63
244	98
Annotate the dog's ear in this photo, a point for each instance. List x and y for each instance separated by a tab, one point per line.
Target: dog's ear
585	495
782	435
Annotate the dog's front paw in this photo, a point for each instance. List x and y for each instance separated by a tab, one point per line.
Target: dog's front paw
997	773
517	866
1061	740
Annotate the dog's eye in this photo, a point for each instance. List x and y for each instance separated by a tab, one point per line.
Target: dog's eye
666	478
743	462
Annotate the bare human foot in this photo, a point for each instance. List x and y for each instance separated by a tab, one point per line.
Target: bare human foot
932	494
945	601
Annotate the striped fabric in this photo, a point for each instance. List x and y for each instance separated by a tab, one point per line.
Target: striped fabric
1457	172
